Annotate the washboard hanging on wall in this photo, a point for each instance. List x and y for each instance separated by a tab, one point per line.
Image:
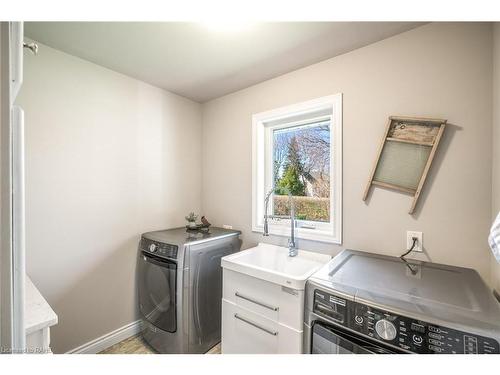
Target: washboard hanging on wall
405	155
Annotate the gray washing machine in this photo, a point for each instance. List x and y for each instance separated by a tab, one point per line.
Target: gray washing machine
180	287
369	303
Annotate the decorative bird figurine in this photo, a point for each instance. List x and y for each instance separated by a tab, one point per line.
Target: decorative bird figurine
205	222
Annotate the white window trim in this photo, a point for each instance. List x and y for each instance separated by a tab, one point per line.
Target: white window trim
261	171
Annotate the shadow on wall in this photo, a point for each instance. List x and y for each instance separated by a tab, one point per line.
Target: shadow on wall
441	151
103	300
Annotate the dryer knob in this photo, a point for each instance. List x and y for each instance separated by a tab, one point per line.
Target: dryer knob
386	330
152	247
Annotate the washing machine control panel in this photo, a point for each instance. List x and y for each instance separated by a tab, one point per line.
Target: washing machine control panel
406	333
159	248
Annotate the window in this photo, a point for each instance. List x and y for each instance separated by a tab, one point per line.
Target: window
298	149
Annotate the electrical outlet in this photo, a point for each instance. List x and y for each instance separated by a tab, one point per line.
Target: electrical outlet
225	226
419	246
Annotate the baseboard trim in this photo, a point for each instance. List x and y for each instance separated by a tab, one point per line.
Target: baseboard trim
99	344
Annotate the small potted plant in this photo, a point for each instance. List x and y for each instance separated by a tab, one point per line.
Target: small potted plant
191	219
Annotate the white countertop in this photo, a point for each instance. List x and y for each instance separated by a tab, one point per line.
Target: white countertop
38	314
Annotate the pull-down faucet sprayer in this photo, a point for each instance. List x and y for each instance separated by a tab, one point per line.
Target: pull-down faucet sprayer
292	248
266	205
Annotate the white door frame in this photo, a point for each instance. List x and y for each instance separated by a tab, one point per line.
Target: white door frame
12	252
6	291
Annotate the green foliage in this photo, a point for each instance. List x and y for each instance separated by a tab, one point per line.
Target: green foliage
191	217
290	182
291	179
306	208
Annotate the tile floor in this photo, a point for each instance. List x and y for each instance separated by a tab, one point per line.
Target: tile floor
136	345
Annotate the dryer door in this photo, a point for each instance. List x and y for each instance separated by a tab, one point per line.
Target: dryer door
157	291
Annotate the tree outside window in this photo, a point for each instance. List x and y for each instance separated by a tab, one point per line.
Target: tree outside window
301	165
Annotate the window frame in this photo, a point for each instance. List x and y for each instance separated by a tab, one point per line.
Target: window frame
262	166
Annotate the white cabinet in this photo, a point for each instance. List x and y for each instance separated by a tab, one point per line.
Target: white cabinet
246	332
273	301
259	316
263	299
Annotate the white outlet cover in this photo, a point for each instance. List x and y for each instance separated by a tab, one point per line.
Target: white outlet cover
409	240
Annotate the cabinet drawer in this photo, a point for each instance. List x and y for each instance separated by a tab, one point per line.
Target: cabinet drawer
245	332
273	301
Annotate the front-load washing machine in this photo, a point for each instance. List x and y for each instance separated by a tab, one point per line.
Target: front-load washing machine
180	287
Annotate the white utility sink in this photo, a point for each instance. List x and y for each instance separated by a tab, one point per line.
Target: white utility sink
272	263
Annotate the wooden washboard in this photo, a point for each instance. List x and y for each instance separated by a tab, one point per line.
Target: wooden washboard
405	155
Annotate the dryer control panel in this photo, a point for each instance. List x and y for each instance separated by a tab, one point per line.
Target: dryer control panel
160	249
412	335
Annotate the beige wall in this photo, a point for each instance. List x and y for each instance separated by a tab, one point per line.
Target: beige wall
437	70
495	267
108	157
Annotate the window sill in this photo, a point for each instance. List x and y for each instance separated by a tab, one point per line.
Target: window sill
301	233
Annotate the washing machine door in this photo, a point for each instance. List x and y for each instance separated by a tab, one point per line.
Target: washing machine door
157	291
327	339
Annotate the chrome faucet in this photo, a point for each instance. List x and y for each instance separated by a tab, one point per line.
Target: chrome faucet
292	249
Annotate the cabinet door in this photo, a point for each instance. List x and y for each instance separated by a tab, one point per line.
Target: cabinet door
245	332
273	301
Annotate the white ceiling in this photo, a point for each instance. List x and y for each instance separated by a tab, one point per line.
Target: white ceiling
202	63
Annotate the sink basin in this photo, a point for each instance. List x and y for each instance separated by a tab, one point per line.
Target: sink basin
272	263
